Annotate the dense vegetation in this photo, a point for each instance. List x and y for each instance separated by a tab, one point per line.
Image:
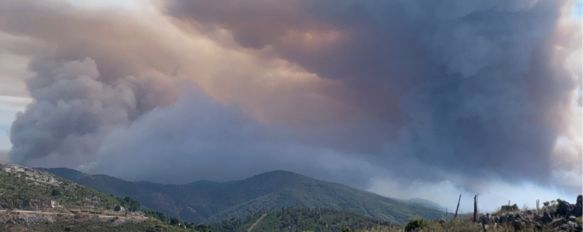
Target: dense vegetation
211	202
304	219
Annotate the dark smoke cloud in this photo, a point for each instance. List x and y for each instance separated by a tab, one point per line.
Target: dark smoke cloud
471	86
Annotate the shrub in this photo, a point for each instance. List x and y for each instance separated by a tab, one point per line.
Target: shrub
509	208
415	225
174	221
130	204
55	193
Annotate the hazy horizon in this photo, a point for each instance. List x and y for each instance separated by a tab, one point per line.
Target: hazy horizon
403	98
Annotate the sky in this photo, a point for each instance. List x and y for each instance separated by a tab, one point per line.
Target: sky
404	98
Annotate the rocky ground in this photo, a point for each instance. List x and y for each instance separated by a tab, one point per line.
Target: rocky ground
39	217
556	215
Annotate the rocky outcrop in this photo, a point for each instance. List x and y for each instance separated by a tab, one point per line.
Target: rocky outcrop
578	209
22	217
559	215
564	209
29	204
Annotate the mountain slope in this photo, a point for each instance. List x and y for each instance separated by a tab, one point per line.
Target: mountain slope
303	220
34	200
206	201
30	189
425	203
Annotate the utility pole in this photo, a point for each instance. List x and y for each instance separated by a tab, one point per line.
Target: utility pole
476	208
457	207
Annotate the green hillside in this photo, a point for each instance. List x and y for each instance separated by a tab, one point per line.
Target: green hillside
208	202
34	200
305	219
30	189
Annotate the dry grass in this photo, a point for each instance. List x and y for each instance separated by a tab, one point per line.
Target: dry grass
460	225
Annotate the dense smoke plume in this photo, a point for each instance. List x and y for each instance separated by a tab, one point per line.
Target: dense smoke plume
464	92
475	85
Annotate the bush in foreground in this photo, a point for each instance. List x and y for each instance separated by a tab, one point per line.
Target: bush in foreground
415	225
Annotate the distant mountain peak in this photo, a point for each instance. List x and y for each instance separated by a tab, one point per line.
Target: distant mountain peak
278	174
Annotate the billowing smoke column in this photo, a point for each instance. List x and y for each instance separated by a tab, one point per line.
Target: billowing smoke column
84	82
348	90
73	109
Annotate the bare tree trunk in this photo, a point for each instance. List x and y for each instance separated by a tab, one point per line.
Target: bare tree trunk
457	207
476	208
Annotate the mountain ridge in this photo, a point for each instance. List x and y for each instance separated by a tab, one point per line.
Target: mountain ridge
210	201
